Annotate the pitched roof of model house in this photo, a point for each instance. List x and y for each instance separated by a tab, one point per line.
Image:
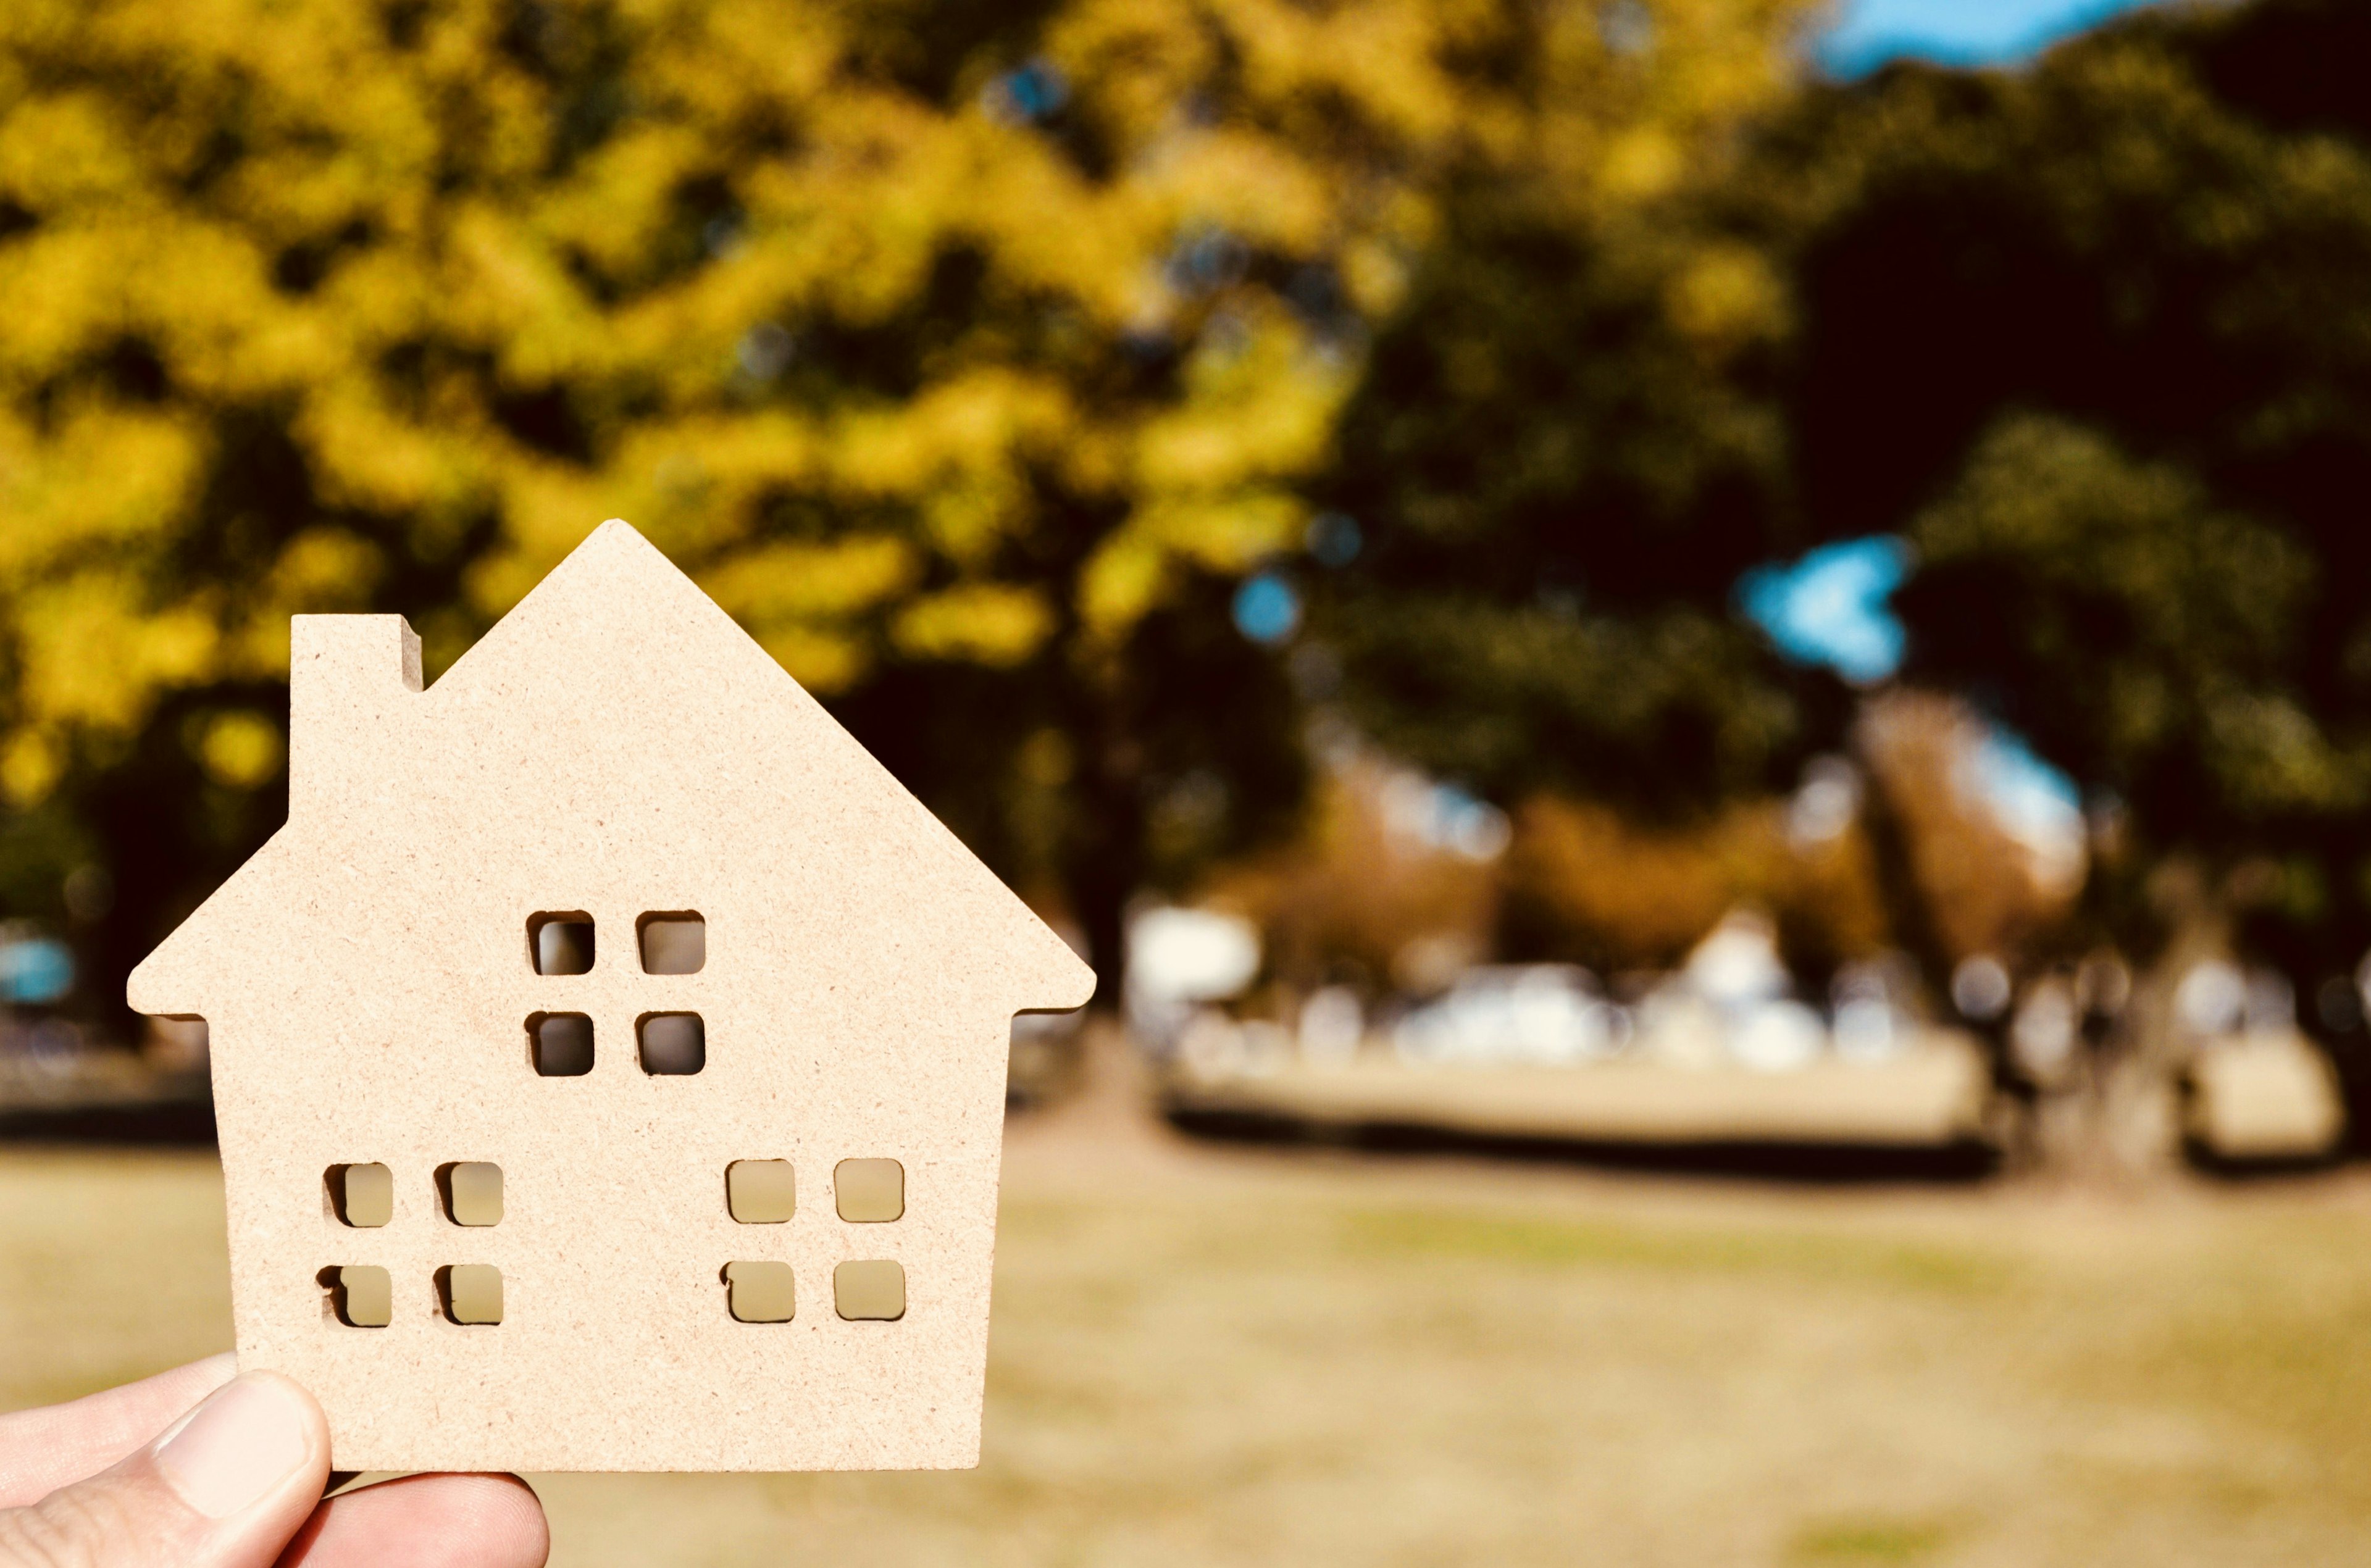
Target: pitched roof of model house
617	711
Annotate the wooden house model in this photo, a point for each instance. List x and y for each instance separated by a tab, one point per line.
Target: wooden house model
608	1053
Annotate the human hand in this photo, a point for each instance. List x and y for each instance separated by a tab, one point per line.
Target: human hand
135	1478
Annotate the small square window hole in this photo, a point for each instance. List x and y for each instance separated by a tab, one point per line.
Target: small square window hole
471	1293
472	1191
560	943
361	1295
760	1293
671	1042
561	1044
674	942
761	1192
871	1191
872	1291
362	1195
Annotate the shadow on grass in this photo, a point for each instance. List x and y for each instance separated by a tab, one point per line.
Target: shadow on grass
1810	1163
2259	1168
154	1124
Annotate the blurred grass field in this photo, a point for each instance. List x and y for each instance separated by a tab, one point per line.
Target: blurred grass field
1205	1354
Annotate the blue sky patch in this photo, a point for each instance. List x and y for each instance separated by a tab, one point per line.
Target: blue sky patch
1955	32
1830	607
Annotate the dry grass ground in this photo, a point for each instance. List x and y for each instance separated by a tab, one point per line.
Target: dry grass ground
1242	1356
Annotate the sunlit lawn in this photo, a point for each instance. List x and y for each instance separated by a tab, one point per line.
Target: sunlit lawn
1212	1356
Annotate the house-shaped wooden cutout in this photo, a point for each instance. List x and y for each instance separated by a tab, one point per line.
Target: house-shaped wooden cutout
608	1053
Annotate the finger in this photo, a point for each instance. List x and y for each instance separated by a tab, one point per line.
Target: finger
225	1487
427	1521
41	1450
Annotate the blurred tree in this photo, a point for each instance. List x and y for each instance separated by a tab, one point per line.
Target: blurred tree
1585	882
1562	458
966	354
1563	466
2094	338
1361	899
1558	463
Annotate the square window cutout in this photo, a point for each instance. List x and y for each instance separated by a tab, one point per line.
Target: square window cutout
871	1191
471	1293
760	1293
361	1295
671	1042
362	1195
561	1044
472	1191
761	1192
872	1291
560	943
673	942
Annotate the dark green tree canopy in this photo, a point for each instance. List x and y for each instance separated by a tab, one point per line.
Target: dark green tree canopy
2094	338
1564	456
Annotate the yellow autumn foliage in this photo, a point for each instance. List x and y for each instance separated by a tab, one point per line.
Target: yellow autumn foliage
916	333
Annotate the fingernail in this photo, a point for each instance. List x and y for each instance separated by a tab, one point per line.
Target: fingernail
235	1448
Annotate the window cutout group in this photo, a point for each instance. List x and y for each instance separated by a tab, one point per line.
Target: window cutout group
666	1044
362	1296
468	1192
871	1290
863	1192
671	941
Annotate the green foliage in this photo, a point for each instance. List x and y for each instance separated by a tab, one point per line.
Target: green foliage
2093	337
1565	461
2182	622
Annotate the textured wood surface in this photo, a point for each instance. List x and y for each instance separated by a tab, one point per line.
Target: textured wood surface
615	748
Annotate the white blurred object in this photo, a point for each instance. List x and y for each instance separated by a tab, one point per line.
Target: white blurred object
1210	1047
1868	1030
1179	958
1197	955
1441	817
2265	1097
1680	1029
2041	1037
1547	1013
1737	964
2271	1004
1826	801
1777	1037
1332	1023
1980	987
2212	999
1266	1047
1871	1021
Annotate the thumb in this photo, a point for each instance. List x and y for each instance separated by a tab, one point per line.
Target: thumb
225	1487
